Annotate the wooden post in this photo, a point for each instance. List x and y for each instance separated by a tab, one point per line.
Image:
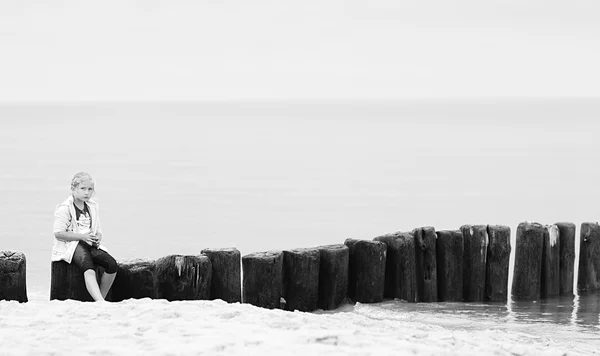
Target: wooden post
476	242
400	269
566	233
226	281
333	275
13	273
66	282
183	277
301	279
366	270
528	261
449	254
135	279
498	257
263	277
588	278
550	279
425	260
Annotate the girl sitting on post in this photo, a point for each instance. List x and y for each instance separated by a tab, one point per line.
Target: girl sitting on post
78	237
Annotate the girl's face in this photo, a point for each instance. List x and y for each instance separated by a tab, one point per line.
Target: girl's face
84	190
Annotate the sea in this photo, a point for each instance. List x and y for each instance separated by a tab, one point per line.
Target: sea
178	177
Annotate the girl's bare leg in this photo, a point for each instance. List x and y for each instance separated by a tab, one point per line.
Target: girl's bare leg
91	283
106	282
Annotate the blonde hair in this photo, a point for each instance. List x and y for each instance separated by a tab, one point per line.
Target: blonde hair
79	178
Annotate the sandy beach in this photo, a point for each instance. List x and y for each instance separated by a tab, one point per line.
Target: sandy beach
159	327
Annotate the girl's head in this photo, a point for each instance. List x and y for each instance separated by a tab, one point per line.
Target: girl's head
82	186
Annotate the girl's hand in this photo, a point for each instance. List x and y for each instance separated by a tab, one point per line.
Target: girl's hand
98	239
88	239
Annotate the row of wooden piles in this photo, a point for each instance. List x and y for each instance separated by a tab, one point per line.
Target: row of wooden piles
545	259
303	279
470	264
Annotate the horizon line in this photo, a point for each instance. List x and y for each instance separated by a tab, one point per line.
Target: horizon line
293	100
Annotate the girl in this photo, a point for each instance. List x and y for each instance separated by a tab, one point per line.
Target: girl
78	237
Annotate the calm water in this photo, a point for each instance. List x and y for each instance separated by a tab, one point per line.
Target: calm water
180	177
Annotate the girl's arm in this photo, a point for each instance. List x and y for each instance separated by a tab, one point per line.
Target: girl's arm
62	222
72	236
68	236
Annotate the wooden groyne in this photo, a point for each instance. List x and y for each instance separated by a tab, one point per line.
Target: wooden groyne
450	262
263	279
497	263
135	279
301	278
426	263
13	276
550	279
366	270
400	268
566	232
469	264
589	258
333	275
475	257
528	261
226	274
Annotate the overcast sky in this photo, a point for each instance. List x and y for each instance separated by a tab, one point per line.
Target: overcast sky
232	49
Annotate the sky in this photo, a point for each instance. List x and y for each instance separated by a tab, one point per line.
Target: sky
77	50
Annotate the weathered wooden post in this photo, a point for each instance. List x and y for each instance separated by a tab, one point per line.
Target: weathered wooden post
528	261
333	275
550	278
183	277
135	279
13	273
498	256
66	282
476	242
400	269
449	252
263	279
588	278
366	270
566	234
226	280
301	279
425	260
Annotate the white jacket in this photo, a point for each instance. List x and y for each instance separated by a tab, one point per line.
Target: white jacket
63	221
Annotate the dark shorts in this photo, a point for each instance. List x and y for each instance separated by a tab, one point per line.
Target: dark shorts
88	257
